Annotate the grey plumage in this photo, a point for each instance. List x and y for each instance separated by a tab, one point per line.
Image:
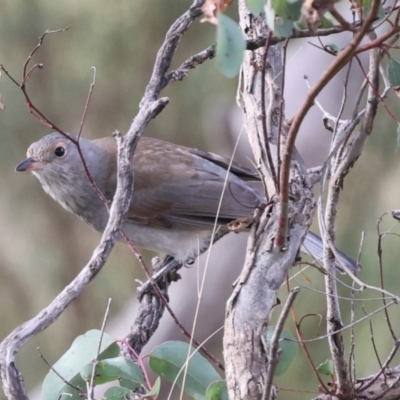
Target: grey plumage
177	191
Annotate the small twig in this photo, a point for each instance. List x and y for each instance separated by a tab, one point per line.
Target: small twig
386	364
371	330
264	114
339	62
77	388
273	358
96	359
342	21
342	106
377	42
87	102
380	258
29	73
307	353
184	366
36	48
388	389
153	281
183	70
139	360
375	90
377	311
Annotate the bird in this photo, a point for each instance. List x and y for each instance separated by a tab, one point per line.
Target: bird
178	192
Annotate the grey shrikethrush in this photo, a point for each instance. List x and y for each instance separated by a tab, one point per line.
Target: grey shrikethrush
176	195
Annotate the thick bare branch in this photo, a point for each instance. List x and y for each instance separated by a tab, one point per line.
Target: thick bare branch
150	107
266	266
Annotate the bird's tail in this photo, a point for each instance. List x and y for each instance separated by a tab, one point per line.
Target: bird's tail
312	245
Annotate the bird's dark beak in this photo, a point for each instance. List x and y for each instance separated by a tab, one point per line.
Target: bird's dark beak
29	164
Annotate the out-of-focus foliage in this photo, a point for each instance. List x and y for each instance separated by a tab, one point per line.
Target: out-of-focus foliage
183	365
78	356
230	46
42	247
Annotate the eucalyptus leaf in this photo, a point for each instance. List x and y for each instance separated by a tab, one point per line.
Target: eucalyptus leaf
230	46
256	6
288	347
326	368
168	361
114	369
217	391
82	351
116	393
282	15
155	390
394	72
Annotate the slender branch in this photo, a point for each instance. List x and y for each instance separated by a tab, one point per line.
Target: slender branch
273	356
96	359
150	107
341	60
89	96
264	115
183	70
281	109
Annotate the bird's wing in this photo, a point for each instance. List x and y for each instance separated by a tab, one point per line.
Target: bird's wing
237	169
175	187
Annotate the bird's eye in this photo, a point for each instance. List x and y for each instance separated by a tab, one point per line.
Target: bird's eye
60	151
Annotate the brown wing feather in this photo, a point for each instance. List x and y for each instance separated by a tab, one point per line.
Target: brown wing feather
177	187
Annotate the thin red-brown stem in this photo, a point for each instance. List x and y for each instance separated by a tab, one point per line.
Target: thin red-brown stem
306	352
167	306
371	330
36	48
139	359
46	122
28	75
339	62
378	42
377	94
303	345
89	96
282	103
78	389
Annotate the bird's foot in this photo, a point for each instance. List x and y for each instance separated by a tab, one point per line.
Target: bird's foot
163	269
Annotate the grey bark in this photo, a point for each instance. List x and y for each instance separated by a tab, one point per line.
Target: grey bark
249	308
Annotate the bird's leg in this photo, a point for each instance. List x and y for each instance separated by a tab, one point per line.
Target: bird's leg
169	264
172	265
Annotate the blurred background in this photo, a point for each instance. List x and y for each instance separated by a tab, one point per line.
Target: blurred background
42	247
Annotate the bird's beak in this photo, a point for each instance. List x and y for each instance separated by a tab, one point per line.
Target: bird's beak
30	164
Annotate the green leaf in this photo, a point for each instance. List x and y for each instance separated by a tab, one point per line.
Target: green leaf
230	46
289	349
282	16
128	383
394	72
327	22
112	369
217	391
168	361
366	5
155	390
82	351
326	368
256	6
116	393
